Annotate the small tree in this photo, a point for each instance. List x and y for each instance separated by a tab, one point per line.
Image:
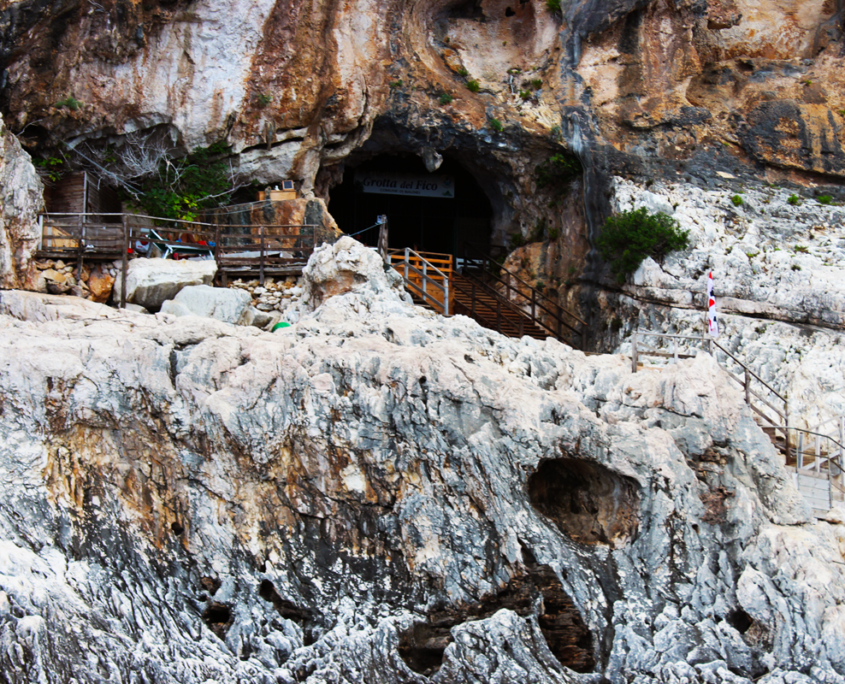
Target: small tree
630	236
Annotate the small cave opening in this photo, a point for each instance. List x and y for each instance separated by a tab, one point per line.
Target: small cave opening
304	617
423	644
587	502
436	211
218	618
509	12
176	528
739	620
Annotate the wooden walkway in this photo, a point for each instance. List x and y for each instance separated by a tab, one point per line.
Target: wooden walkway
247	250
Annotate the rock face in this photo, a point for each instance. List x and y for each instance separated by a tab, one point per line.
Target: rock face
644	88
375	496
227	305
20	203
149	282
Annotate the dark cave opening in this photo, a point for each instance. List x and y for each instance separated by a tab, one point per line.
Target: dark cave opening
289	610
176	528
429	212
218	617
739	620
586	501
423	644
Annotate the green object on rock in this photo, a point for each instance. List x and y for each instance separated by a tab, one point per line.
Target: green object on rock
280	325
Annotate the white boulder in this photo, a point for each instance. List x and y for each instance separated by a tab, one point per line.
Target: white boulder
227	305
149	282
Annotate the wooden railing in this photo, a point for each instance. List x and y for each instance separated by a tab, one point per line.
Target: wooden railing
539	308
249	248
495	316
428	276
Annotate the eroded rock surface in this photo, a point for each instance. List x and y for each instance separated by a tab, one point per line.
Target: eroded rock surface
188	500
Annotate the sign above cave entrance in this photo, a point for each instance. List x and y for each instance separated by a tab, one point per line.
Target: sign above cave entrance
387	183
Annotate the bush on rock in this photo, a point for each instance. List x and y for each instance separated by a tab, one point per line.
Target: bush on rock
630	236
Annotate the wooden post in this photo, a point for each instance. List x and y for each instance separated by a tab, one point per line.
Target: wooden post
382	238
407	257
533	303
634	353
747	387
125	265
80	247
261	261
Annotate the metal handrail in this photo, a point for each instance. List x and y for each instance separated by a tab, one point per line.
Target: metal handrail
426	279
535	293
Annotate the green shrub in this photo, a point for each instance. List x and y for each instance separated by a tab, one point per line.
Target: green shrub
463	72
51	167
496	125
800	248
525	94
516	240
536	83
824	199
473	86
396	84
630	236
558	170
183	187
737	201
554	234
445	98
553	5
794	200
70	102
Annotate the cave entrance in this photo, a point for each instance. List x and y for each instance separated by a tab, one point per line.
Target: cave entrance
429	212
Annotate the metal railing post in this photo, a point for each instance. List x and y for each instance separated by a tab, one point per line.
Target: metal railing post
799	455
80	248
498	315
125	265
446	297
842	449
634	352
747	386
818	454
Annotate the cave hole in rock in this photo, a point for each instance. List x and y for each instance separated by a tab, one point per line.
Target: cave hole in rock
218	618
739	620
588	502
509	12
436	211
304	617
176	528
422	645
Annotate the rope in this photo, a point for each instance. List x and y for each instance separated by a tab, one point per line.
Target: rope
364	231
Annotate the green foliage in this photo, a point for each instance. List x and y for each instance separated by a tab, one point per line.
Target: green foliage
496	125
70	102
737	201
396	84
463	72
525	94
554	233
516	240
800	248
630	236
183	187
796	267
553	5
445	98
538	232
264	99
536	83
558	170
474	86
824	199
52	167
555	133
794	200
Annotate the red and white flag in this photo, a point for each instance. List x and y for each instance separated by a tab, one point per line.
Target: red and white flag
712	322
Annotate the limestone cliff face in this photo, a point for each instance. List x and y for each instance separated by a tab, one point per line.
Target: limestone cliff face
381	495
20	203
301	89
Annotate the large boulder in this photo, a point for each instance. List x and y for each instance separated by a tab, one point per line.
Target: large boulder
21	200
149	282
227	305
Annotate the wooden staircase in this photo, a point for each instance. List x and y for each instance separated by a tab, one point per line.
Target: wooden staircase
492	310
